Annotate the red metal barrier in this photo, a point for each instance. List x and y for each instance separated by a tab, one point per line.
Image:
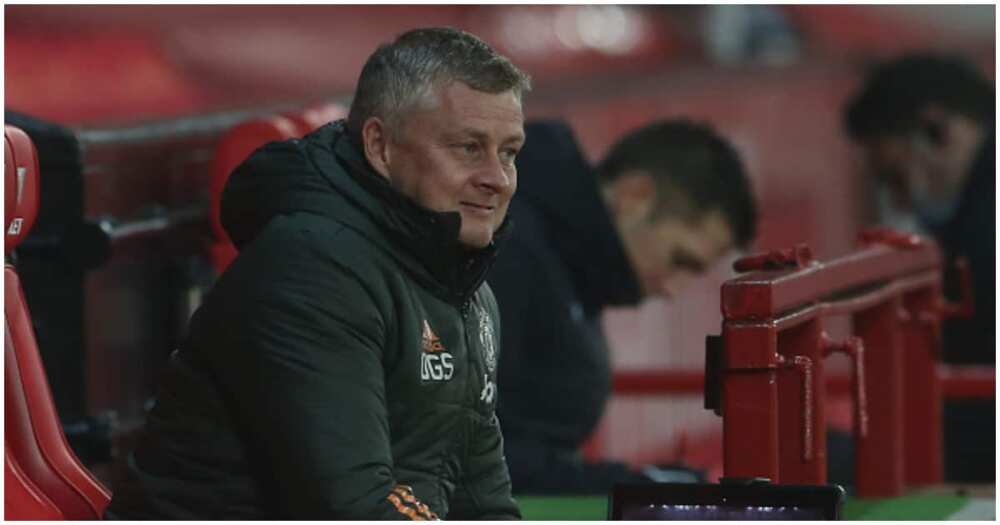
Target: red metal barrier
924	463
766	374
772	379
967	382
922	458
956	382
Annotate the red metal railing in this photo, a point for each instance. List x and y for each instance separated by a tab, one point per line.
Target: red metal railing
768	380
957	382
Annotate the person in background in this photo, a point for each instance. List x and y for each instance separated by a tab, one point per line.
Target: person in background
926	123
668	201
343	367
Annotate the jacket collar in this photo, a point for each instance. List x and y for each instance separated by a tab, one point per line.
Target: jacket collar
427	240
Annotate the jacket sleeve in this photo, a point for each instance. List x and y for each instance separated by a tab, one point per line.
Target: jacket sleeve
302	371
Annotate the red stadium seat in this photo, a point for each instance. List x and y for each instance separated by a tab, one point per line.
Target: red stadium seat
234	147
22	500
313	117
21	186
10	185
33	435
237	144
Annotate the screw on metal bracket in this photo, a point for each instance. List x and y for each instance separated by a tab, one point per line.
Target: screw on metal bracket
890	237
798	256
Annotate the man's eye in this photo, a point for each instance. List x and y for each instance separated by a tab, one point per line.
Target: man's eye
468	148
507	156
688	262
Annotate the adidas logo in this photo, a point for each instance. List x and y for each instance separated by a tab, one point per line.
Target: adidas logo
431	342
435	363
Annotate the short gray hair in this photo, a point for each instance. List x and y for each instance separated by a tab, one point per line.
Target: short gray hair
398	75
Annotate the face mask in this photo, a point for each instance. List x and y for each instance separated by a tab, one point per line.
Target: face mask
893	217
933	211
933	208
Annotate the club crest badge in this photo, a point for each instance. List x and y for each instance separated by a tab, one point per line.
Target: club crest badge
487	339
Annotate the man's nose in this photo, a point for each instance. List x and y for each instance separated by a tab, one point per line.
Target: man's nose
497	178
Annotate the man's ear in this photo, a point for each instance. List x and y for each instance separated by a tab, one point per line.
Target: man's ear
375	140
633	195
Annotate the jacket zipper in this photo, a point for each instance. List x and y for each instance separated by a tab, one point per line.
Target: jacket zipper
469	342
472	388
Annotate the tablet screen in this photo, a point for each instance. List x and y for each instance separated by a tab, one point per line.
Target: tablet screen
707	502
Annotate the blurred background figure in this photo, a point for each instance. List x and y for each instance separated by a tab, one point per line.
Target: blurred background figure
927	125
670	200
751	33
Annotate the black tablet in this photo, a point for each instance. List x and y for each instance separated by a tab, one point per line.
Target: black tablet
707	502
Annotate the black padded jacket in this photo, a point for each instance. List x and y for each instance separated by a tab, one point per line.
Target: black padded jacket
343	367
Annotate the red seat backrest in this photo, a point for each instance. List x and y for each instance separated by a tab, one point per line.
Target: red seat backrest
22	500
233	148
313	117
237	144
10	185
32	432
20	185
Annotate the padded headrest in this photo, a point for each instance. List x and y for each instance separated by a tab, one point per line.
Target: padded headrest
21	186
234	147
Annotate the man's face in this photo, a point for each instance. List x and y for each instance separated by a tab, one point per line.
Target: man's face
456	153
890	161
913	168
667	253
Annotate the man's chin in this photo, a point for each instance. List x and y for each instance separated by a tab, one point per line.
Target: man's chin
475	241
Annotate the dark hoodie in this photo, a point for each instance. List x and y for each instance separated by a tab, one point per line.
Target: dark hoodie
971	233
561	266
342	368
970	424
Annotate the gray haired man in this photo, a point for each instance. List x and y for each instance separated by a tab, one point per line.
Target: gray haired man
344	366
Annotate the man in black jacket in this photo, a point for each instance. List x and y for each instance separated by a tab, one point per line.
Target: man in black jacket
670	199
926	123
344	366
